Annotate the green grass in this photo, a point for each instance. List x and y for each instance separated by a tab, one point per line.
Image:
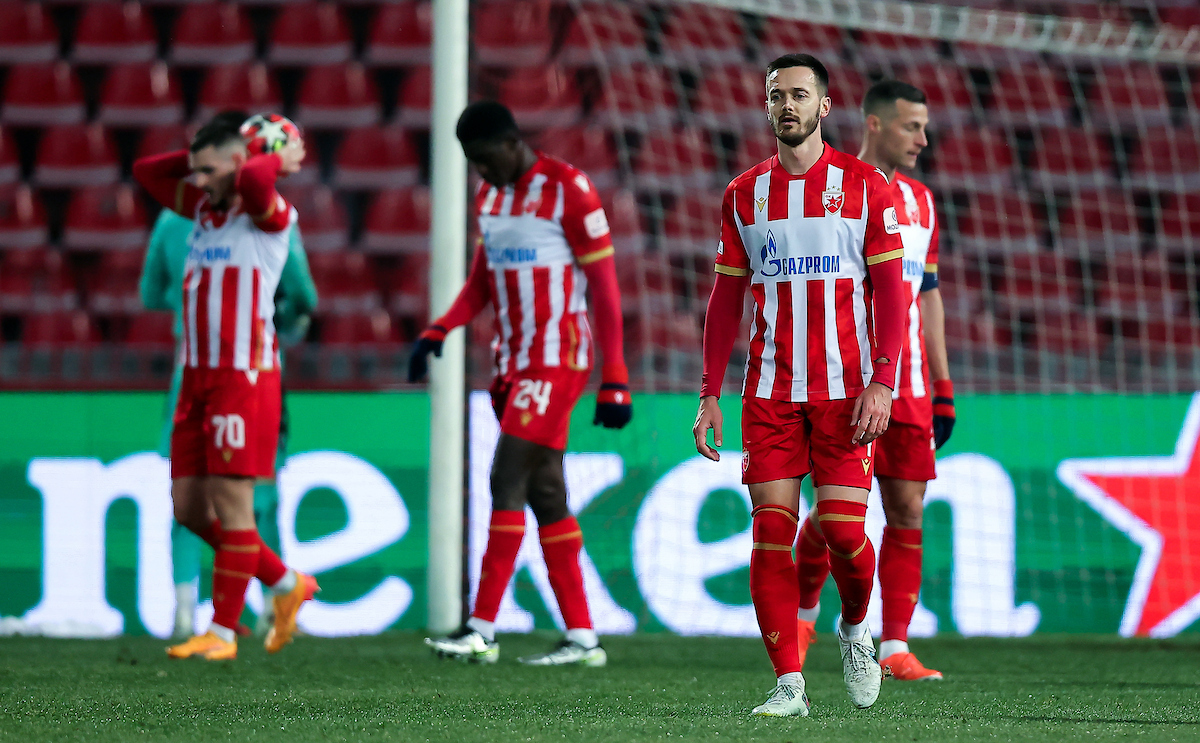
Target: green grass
656	687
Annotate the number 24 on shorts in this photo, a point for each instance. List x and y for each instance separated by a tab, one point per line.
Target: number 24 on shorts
230	431
532	391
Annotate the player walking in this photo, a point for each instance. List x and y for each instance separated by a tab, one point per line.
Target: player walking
896	116
227	420
545	242
812	233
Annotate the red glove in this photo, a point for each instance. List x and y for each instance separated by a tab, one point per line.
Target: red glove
614	404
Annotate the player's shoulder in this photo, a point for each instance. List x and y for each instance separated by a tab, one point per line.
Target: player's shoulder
855	167
561	171
746	178
919	189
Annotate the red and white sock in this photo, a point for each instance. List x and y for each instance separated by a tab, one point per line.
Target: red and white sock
233	567
851	556
899	583
504	542
812	568
562	542
773	585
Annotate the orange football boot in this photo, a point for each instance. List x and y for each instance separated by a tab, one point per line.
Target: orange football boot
807	635
207	646
286	608
906	667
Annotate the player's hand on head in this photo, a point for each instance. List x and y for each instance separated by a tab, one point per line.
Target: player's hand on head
614	404
943	411
429	342
708	416
872	412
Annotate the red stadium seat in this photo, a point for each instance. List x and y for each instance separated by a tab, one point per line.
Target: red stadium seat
337	97
76	155
415	99
638	97
847	86
358	330
949	95
114	32
781	37
1128	96
1041	282
1177	224
588	149
513	34
541	96
401	34
1071	158
973	159
879	49
1098	222
159	139
1067	333
691	227
27	33
408	290
1183	15
755	144
100	218
732	97
647	285
695	35
140	94
310	33
345	282
36	280
10	165
42	94
624	222
323	223
1137	286
377	157
1166	159
151	329
212	33
1031	95
22	218
993	224
112	287
59	329
679	162
398	222
249	87
604	31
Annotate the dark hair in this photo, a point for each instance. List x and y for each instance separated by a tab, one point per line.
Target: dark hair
803	60
485	120
887	92
219	131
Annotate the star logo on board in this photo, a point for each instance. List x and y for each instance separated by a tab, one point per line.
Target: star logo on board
832	199
1155	501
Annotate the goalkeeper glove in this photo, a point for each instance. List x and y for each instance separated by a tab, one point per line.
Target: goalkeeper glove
428	342
614	404
943	411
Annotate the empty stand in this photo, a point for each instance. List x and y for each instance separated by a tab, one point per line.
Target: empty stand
358	330
310	33
111	283
514	34
540	97
638	97
990	223
248	87
377	157
624	222
76	155
10	166
1128	96
679	161
1166	159
323	222
59	329
337	96
781	37
613	27
36	280
105	218
755	144
1177	223
977	159
1066	158
401	34
588	149
345	283
1097	223
210	33
415	99
694	35
27	33
22	218
1031	95
114	32
947	91
398	222
731	97
159	139
884	50
691	226
42	94
151	330
140	94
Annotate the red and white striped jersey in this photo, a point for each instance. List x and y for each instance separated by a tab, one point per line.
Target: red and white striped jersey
806	242
537	233
230	277
919	232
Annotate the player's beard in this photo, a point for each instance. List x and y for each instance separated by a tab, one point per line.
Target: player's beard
806	130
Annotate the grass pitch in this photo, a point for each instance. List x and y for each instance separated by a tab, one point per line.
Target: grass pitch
656	687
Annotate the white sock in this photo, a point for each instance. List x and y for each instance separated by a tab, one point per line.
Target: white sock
853	631
483	627
584	637
888	648
224	633
792	679
809	615
285	584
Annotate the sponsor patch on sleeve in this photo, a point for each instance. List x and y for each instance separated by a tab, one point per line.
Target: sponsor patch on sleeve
721	248
891	224
596	224
582	181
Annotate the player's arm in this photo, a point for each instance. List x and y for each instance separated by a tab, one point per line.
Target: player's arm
471	299
297	293
933	318
154	285
256	185
164	178
722	319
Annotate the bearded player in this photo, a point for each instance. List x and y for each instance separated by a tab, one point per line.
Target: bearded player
545	244
227	419
812	234
896	117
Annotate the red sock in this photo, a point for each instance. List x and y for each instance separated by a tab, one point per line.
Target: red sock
270	568
561	543
851	556
212	534
773	585
812	564
234	566
899	579
504	542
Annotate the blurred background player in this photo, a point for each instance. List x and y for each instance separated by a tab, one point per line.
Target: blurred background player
896	116
812	233
226	423
161	288
545	242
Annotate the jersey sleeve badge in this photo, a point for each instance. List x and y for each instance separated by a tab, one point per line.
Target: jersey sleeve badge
891	224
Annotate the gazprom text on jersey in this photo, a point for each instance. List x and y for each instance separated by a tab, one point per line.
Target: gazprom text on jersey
208	255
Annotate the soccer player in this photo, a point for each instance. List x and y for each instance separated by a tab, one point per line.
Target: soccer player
228	416
896	116
545	242
812	233
161	288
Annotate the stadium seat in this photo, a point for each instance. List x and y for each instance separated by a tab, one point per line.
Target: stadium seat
624	222
36	280
691	226
1128	96
310	33
695	35
408	289
151	329
377	157
415	99
1138	287
1166	159
249	87
345	282
58	329
885	50
375	328
76	155
731	98
41	95
755	144
603	32
1067	333
10	165
27	33
22	218
1031	95
847	86
647	285
114	32
540	97
992	224
323	222
105	218
974	159
951	100
397	221
1041	282
401	34
681	161
337	97
782	36
639	97
1071	158
140	94
159	139
211	33
1097	223
1177	223
1184	15
587	149
513	34
111	285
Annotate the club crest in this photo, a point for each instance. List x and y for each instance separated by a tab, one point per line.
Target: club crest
832	200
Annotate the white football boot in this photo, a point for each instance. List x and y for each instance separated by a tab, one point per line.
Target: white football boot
860	670
787	699
466	645
568	653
